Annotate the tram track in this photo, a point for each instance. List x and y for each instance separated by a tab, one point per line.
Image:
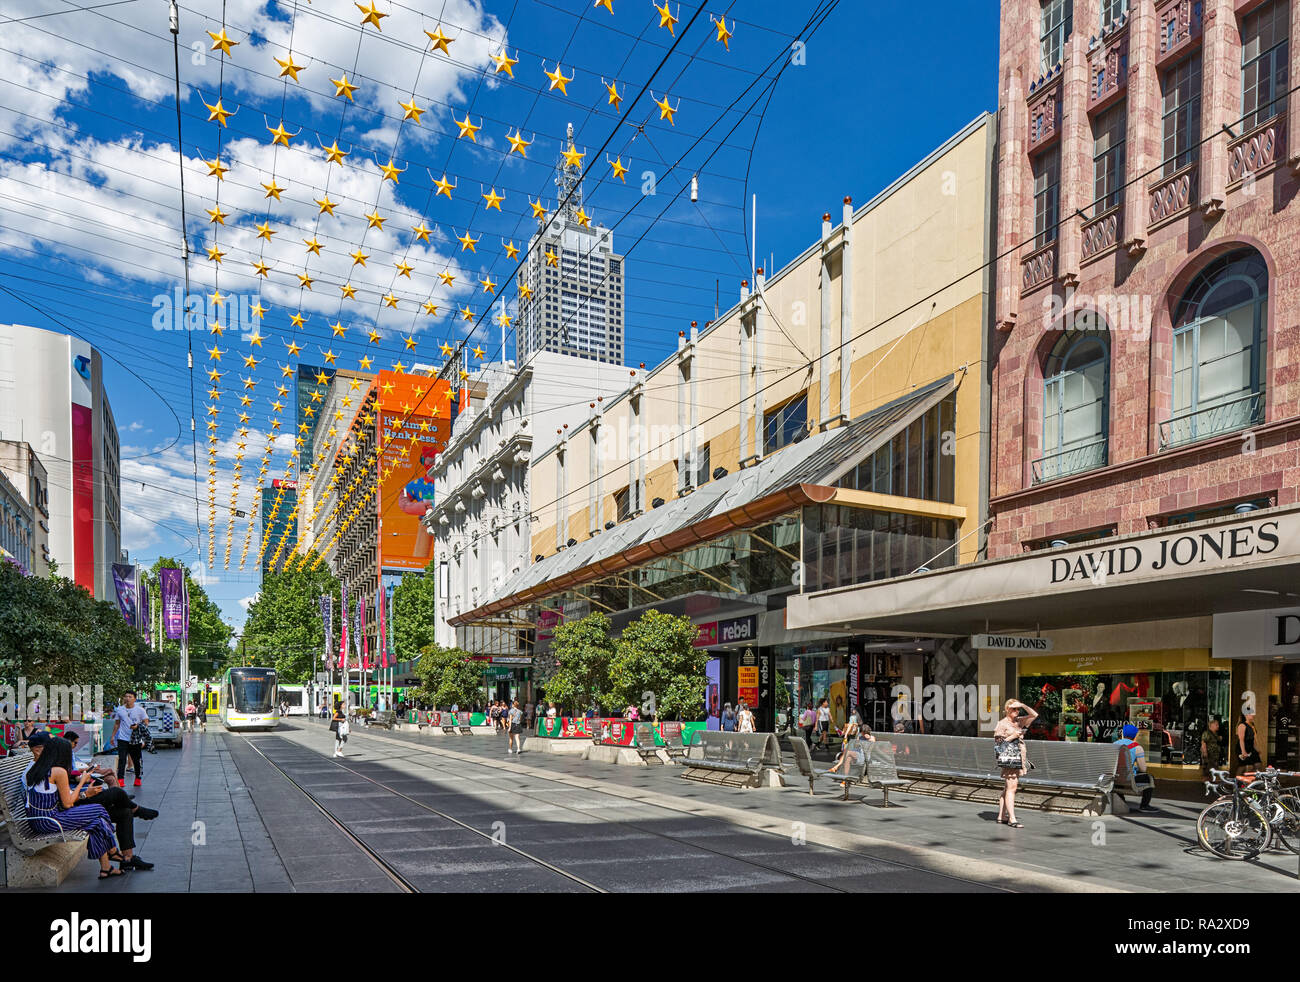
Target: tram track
388	867
419	756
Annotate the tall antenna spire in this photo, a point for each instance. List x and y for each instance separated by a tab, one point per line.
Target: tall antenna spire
568	178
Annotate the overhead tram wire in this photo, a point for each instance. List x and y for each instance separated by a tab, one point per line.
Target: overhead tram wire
815	21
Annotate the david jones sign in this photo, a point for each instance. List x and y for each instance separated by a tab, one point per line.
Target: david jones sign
1193	549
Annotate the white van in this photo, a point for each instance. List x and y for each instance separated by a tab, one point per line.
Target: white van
164	724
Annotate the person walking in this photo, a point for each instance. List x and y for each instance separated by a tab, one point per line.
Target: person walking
728	718
744	719
189	716
1247	755
339	727
53	803
128	716
1211	748
1009	745
823	722
516	721
808	723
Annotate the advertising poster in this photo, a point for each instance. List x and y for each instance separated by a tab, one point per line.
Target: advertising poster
712	693
172	585
415	416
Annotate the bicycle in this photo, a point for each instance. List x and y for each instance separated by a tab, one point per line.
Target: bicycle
1281	805
1234	826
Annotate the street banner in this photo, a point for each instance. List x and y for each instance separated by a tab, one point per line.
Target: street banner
124	584
172	587
380	604
343	629
185	608
146	615
327	624
359	633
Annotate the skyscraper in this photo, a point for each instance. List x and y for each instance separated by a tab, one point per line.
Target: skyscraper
575	278
275	518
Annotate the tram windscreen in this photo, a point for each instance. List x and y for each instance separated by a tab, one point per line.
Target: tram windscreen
252	691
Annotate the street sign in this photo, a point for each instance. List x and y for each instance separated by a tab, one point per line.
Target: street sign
1010	642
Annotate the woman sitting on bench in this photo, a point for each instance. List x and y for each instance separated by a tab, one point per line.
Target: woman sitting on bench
853	731
52	803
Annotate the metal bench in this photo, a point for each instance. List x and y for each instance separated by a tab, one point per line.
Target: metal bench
735	759
13	805
645	743
1066	776
462	724
882	769
384	718
672	733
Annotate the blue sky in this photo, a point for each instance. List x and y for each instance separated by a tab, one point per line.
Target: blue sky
90	211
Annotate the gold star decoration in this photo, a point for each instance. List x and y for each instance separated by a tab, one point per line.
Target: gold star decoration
349	291
488	285
359	258
258	311
215	254
287	67
583	218
539	209
512	250
217	112
250	362
666	18
364	363
344	88
390	172
466	313
261	268
466	128
440	40
326	206
430	308
410	110
504	63
447	277
467	241
444	186
375	220
446	349
390	301
493	200
305	279
478	352
312	245
216	169
410	343
372	15
665	110
329	356
215	353
558	81
517	143
403	268
615	97
607	4
572	158
552	259
421	232
338	329
724	35
255	339
333	154
503	319
264	231
280	135
217	216
619	168
221	41
525	291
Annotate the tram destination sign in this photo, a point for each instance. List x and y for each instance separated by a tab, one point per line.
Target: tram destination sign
1010	642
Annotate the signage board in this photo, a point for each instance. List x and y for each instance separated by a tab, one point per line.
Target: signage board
1010	642
1269	634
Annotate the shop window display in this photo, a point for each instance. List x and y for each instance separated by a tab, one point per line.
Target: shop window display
1171	709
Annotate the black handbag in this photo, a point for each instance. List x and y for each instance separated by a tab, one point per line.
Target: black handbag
1008	753
334	726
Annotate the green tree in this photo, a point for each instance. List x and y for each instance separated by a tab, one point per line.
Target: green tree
583	651
448	676
54	632
656	666
415	613
284	629
209	641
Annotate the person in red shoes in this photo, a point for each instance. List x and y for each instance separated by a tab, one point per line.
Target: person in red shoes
128	716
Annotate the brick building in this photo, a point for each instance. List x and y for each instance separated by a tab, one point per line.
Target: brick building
1144	512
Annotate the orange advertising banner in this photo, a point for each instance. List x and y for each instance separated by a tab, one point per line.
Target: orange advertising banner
418	436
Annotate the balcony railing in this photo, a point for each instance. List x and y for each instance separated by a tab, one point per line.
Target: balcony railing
1075	460
1039	268
1201	424
1258	150
1173	195
1101	235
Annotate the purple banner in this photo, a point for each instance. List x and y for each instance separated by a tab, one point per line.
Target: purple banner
124	583
343	629
712	693
172	586
325	618
146	618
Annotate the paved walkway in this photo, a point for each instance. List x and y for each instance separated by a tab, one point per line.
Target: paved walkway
276	813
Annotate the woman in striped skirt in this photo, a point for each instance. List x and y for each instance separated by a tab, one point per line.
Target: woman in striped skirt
52	803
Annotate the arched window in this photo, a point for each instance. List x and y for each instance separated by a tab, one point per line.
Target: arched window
1076	403
1220	330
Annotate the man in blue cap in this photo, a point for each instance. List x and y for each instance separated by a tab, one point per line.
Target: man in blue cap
1137	765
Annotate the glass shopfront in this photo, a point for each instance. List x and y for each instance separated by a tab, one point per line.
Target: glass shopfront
807	674
1170	707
